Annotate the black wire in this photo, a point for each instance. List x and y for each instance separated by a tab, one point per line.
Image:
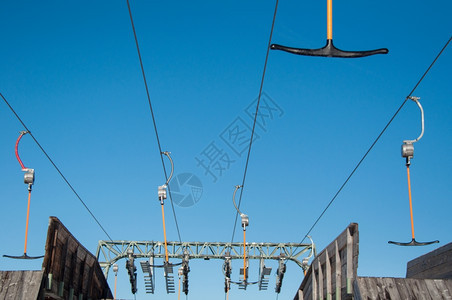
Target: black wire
255	118
376	140
55	166
153	118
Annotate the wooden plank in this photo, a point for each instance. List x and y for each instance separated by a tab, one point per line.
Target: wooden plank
349	264
444	288
432	289
18	285
319	286
361	288
391	289
338	273
300	295
328	276
370	288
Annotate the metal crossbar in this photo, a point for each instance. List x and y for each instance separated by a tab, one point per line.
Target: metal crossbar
109	252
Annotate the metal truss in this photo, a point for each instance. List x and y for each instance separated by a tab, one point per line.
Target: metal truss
109	252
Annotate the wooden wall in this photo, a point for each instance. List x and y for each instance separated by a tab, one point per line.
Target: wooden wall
71	271
434	265
333	271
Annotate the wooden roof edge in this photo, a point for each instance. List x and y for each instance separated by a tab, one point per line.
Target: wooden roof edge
436	252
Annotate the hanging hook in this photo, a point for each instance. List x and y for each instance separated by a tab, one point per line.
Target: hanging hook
22	133
172	166
407	146
305	261
29	176
416	100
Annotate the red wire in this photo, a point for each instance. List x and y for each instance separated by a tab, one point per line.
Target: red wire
17	152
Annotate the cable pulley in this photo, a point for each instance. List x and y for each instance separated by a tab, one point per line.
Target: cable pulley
329	50
408	154
29	179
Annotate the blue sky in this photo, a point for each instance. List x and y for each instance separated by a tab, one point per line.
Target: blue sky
70	70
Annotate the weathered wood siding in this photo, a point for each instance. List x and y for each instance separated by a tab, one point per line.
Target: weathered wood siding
433	265
377	288
333	271
71	271
20	285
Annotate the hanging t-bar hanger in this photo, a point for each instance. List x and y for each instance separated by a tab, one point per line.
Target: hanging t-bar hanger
329	50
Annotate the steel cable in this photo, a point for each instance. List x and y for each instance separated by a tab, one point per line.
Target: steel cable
153	117
255	117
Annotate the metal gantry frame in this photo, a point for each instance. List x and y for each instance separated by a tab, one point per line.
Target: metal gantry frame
109	252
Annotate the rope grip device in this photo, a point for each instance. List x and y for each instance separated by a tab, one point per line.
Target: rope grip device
329	50
408	153
29	179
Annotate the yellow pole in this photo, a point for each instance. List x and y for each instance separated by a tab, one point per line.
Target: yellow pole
26	226
178	296
244	255
116	281
411	204
164	234
329	13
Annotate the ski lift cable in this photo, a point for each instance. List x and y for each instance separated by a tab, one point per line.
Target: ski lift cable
57	169
255	117
153	116
376	140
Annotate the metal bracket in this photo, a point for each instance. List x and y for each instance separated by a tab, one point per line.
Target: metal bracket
263	273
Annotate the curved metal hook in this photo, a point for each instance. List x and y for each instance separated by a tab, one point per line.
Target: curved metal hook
233	199
313	251
416	99
172	166
22	133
